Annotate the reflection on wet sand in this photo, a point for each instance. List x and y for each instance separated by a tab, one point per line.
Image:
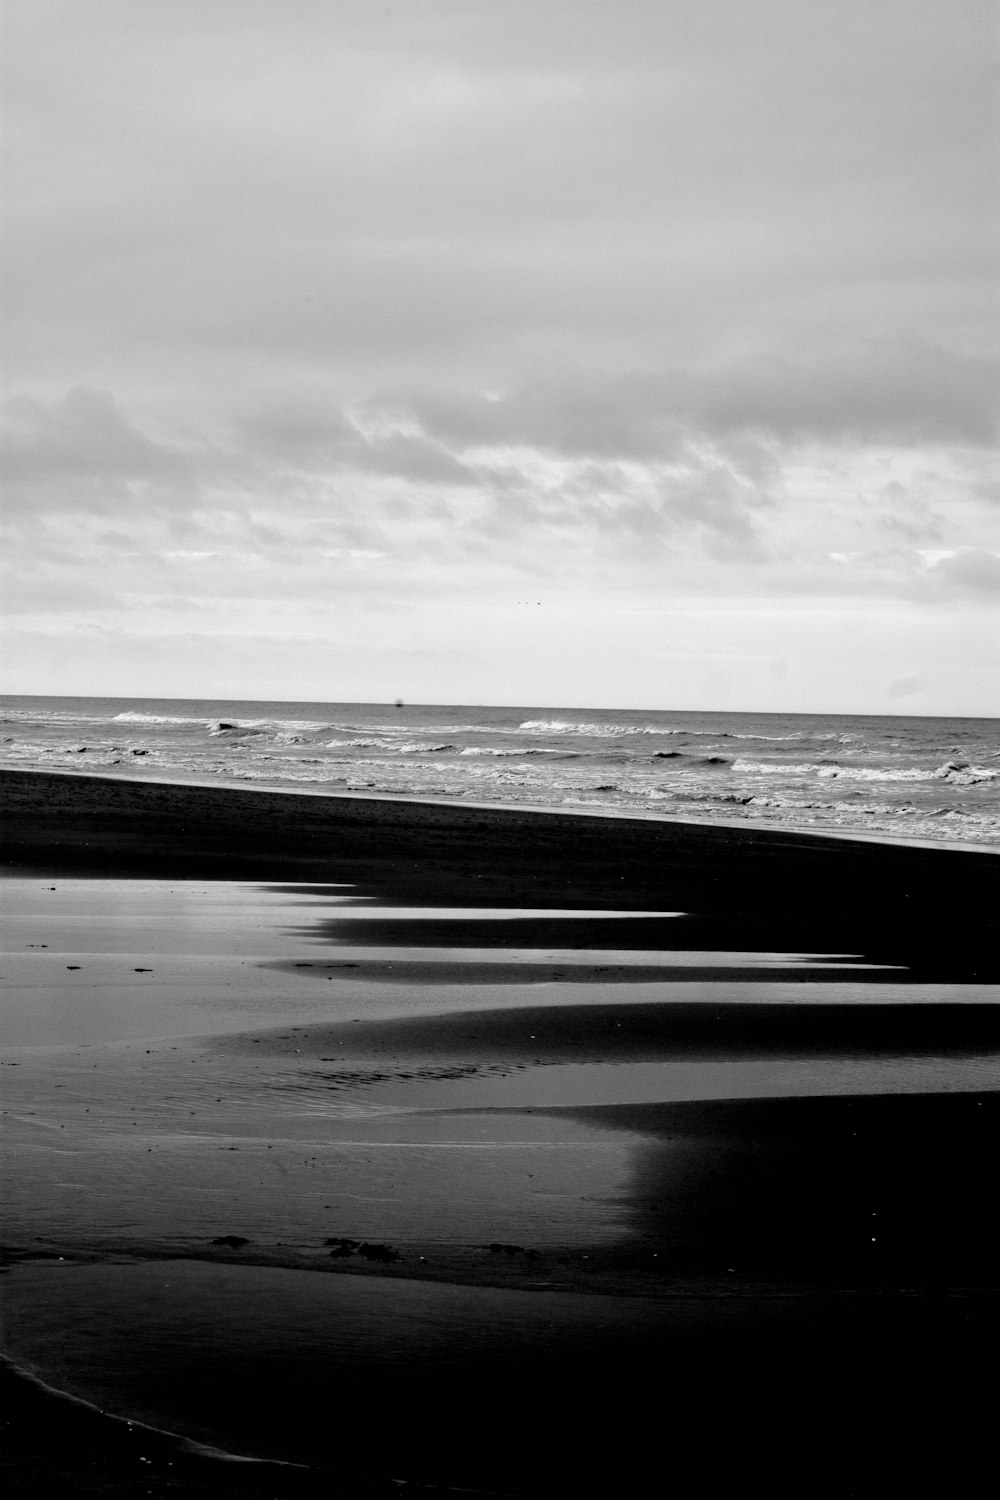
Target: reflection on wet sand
436	1116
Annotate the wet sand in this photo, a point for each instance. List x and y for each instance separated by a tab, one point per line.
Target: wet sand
370	1136
742	888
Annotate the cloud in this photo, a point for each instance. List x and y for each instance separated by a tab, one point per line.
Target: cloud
484	192
83	435
971	573
58	591
309	475
81	452
904	687
299	496
874	392
345	308
903	392
313	438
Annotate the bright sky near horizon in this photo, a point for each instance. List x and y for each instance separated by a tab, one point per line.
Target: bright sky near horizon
571	352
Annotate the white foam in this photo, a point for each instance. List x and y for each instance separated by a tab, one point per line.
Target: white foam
592	730
137	718
841	739
961	775
490	750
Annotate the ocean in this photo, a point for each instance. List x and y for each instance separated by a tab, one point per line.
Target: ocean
922	778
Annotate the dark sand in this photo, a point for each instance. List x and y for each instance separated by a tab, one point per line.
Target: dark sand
744	889
506	1152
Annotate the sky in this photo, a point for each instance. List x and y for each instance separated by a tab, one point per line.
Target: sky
561	352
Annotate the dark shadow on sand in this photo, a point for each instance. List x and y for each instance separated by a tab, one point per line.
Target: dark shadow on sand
675	933
860	1192
637	1032
781	934
486	971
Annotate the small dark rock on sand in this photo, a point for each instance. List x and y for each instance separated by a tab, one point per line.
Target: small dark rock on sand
378	1252
341	1247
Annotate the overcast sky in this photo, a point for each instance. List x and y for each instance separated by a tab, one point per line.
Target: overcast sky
564	352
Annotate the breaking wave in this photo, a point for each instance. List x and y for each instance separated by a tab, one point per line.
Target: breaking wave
840	739
953	771
138	718
401	747
610	730
594	731
518	754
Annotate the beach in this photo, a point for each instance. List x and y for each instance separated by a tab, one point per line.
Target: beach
400	1144
499	751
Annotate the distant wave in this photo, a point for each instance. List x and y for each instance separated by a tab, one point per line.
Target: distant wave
611	730
596	730
219	726
841	739
237	731
953	771
49	717
518	754
961	774
283	726
691	760
335	727
136	718
401	747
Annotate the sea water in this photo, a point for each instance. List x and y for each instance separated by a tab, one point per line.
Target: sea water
936	778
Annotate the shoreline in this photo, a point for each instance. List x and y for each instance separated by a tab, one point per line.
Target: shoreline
112	1454
742	888
779	1377
736	825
